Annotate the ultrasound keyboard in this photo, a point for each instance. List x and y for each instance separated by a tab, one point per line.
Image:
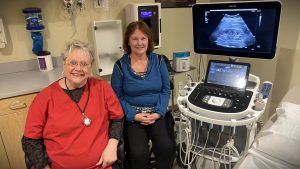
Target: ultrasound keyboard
220	99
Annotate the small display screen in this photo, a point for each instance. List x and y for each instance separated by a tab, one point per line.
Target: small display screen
150	15
176	3
146	14
228	74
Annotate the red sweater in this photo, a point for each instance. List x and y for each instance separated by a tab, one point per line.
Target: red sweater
54	117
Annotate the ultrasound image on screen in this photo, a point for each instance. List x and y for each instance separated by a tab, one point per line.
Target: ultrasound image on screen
227	74
246	29
233	32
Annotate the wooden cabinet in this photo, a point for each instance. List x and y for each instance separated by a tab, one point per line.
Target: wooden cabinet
13	112
4	163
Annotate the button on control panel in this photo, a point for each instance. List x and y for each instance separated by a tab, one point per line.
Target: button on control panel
217	101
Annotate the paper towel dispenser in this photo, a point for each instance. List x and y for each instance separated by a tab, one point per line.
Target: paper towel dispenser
108	40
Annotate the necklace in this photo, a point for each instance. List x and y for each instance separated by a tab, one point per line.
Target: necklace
85	120
137	71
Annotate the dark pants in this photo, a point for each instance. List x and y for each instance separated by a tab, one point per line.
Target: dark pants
137	144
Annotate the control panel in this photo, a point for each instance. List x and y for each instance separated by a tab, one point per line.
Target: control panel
217	101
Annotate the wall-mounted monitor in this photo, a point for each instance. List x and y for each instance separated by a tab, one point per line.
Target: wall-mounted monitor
241	29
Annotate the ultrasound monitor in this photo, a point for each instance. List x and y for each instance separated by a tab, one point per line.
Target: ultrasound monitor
241	29
227	75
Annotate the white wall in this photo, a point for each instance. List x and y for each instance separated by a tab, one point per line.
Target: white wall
288	59
60	27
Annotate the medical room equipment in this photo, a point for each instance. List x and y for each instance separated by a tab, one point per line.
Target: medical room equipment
102	3
45	61
243	29
181	61
219	114
108	40
34	20
81	4
35	25
150	13
3	41
71	5
68	5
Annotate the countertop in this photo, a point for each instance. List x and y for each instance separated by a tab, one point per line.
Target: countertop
26	82
24	77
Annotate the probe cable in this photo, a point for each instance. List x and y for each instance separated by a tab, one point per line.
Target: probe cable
213	154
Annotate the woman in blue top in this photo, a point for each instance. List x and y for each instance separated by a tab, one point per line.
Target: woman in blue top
141	82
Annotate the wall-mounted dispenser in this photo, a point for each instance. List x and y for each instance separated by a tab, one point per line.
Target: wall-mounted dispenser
34	20
108	39
150	13
34	25
3	41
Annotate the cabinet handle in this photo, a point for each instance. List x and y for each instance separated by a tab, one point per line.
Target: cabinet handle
17	105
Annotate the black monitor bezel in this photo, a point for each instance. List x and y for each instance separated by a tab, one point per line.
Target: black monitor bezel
176	3
229	5
224	86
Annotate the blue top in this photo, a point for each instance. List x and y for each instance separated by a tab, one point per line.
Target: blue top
133	90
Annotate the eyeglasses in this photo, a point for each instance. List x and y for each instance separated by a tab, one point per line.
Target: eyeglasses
73	63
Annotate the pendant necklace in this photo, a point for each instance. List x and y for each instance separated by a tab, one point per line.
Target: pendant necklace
85	120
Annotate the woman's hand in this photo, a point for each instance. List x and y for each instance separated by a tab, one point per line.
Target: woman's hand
109	155
47	167
143	118
146	118
154	116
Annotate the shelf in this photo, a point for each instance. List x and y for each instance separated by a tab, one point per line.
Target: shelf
175	73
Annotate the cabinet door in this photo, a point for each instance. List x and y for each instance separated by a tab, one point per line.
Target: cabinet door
12	120
4	163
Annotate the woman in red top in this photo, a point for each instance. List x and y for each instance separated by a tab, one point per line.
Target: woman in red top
77	121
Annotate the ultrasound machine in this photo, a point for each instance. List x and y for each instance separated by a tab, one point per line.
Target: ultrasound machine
219	114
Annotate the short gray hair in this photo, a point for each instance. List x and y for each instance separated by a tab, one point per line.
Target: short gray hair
76	44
